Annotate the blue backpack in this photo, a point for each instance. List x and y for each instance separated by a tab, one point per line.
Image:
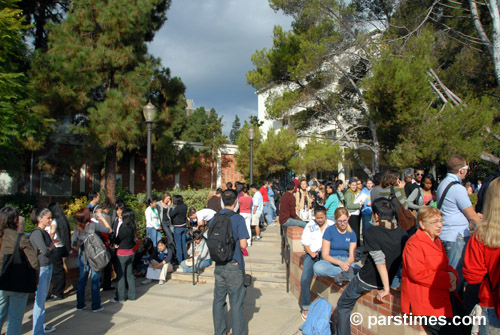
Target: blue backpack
318	318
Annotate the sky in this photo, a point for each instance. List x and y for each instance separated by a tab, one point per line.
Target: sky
209	44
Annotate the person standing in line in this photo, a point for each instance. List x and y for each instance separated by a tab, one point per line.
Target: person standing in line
457	214
178	215
266	209
124	245
332	201
229	277
84	224
257	207
13	304
303	201
153	221
215	200
482	260
354	208
60	234
366	210
270	192
246	211
94	198
41	242
166	225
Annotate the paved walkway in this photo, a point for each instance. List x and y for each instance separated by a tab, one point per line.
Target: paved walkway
176	308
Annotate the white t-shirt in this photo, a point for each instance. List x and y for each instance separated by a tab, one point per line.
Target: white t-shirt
205	214
57	240
312	235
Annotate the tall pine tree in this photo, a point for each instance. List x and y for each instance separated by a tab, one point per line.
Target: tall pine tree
97	66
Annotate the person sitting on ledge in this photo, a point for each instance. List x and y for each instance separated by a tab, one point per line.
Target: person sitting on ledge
384	243
311	240
338	250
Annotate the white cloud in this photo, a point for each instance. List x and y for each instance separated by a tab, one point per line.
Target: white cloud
208	43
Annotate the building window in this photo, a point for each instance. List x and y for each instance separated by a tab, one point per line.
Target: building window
285	122
51	185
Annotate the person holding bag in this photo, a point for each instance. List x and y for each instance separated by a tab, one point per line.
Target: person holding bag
42	243
16	280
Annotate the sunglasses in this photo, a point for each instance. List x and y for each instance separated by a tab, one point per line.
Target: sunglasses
419	174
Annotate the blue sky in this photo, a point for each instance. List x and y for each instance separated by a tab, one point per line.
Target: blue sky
209	43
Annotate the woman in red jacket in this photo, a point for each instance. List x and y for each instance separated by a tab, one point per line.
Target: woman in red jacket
482	258
427	278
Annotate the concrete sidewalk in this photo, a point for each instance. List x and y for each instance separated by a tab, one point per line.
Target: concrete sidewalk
174	308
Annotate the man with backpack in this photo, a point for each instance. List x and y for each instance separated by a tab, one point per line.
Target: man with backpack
454	203
227	236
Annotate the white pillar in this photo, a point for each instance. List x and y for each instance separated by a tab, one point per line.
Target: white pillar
83	175
219	169
131	175
341	167
177	180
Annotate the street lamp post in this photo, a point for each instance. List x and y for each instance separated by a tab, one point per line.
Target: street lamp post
251	136
149	112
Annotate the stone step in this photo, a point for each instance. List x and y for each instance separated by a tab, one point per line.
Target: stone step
258	282
264	264
257	272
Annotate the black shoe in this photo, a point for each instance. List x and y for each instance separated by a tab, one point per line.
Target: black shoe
111	288
54	298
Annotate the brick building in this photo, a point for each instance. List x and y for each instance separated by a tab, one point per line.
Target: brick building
130	175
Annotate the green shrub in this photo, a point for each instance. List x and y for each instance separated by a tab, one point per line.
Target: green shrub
24	203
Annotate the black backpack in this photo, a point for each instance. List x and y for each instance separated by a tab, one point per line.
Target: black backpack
220	240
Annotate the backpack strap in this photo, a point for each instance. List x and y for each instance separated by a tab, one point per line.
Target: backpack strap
441	200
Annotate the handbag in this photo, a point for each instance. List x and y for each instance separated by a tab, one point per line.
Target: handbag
16	274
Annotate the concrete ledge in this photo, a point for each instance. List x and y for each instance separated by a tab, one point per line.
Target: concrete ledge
367	305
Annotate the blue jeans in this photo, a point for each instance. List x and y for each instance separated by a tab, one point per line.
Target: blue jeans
82	284
14	305
198	266
326	269
267	211
40	297
180	239
305	282
229	280
154	234
492	325
456	252
367	222
345	305
295	222
273	206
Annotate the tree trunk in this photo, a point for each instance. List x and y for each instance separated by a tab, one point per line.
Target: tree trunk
110	174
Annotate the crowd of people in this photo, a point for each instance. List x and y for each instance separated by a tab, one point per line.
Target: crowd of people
353	232
445	262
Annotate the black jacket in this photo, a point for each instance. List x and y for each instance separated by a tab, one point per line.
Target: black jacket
126	237
178	215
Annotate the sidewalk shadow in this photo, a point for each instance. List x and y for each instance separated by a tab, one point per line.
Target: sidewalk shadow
253	294
68	320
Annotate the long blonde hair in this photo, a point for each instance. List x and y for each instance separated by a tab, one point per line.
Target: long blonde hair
338	213
488	231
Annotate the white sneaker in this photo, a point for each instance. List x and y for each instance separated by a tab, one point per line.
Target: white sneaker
257	238
98	310
146	281
49	329
179	269
161	282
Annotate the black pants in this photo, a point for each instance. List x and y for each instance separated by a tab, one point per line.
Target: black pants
354	221
58	273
